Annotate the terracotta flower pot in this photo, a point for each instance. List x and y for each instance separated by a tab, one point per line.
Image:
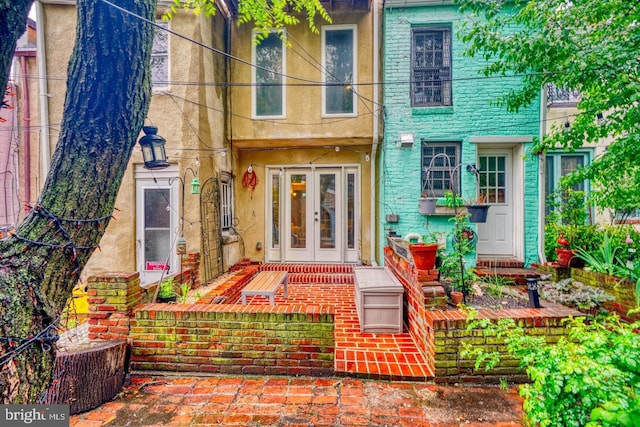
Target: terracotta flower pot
424	255
456	297
564	256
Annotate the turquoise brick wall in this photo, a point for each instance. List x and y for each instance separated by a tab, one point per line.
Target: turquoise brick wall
472	114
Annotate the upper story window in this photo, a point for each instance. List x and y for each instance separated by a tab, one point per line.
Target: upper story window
439	161
431	67
160	56
268	91
339	65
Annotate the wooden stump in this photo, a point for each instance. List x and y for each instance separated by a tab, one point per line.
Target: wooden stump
89	375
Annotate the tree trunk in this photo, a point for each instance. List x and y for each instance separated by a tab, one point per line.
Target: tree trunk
108	95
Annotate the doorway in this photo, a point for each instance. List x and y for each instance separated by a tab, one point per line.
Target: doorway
312	214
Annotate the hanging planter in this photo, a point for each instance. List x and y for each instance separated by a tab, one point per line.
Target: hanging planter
427	205
478	213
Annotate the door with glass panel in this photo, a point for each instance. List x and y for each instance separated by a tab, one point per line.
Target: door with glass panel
495	237
315	209
157	220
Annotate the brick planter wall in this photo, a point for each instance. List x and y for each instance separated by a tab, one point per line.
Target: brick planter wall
623	290
450	331
234	339
439	330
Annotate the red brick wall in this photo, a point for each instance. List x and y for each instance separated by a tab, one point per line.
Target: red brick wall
234	339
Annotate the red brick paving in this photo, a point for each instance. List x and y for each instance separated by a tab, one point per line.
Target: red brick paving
366	355
294	401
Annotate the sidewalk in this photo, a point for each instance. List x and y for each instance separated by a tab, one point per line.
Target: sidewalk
302	401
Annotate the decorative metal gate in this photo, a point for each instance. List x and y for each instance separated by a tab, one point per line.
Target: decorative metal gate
211	261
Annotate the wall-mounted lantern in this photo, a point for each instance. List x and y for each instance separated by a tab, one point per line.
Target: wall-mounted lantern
153	151
195	186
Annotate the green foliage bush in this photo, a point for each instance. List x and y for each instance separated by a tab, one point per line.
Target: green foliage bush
589	378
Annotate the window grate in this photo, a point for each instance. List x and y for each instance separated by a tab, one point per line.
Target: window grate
431	67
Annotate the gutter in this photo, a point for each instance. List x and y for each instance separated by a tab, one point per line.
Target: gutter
43	90
376	121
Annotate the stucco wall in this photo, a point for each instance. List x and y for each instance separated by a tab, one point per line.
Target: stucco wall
471	115
189	115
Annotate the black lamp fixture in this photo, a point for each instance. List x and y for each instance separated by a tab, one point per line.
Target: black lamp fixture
153	152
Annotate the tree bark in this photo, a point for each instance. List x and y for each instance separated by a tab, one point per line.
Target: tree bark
108	95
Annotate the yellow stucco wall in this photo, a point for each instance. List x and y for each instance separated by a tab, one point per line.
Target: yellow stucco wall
189	115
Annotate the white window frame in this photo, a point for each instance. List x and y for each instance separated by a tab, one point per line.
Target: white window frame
283	72
226	203
354	59
165	86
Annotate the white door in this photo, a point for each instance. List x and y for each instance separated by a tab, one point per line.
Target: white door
156	224
495	237
313	215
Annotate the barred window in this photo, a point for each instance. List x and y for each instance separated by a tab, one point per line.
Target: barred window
431	67
439	161
226	202
160	57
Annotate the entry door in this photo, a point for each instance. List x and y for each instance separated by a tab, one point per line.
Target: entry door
313	212
495	237
156	225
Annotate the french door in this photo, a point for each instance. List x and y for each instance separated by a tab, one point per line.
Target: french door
315	209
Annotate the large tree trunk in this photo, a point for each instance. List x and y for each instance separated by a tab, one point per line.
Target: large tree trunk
108	95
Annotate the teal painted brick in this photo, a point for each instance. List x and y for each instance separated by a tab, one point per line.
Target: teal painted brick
471	115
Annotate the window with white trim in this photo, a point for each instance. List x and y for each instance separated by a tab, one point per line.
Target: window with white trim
226	202
160	56
268	92
339	61
439	160
431	67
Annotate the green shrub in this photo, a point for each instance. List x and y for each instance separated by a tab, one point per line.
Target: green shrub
589	378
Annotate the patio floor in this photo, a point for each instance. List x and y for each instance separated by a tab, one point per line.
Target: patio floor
364	355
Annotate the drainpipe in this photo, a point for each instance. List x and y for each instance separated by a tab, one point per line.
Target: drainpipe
41	60
541	178
27	131
374	143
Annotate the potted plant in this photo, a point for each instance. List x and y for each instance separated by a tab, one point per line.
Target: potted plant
563	253
478	209
427	203
453	268
424	252
167	292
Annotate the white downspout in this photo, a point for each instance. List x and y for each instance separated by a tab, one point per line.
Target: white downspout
374	143
43	91
541	178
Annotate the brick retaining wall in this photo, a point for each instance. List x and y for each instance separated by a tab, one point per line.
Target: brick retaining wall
234	339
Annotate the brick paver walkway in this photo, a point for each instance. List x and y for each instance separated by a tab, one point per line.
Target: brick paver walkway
281	401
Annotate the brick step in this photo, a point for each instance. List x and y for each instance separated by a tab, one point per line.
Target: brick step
334	278
499	263
309	268
518	275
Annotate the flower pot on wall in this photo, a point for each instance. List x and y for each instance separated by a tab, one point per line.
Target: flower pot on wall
564	256
478	213
427	205
424	255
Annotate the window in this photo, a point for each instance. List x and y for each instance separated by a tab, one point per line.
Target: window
269	92
339	65
226	202
160	57
439	160
559	165
431	67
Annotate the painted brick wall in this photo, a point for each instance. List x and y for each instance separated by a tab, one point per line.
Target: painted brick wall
234	339
471	115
